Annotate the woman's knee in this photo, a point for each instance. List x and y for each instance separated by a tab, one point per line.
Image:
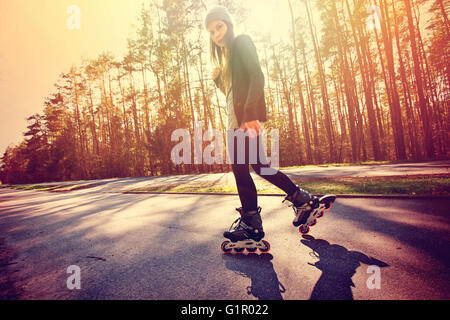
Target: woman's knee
263	169
257	168
240	169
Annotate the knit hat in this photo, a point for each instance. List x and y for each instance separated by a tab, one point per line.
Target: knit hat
218	13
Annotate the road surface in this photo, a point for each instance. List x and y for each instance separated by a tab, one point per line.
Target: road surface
148	246
227	178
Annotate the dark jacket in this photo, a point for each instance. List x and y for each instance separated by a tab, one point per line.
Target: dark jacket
247	81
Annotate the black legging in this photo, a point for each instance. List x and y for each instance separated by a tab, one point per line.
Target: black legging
244	182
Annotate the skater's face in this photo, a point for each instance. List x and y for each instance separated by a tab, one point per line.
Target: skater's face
217	30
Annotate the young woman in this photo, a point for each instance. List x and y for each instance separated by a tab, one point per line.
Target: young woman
239	76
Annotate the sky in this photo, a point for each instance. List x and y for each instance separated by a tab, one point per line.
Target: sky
37	46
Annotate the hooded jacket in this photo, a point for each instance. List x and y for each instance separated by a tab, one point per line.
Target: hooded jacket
247	81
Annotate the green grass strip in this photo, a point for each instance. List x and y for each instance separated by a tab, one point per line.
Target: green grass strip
405	185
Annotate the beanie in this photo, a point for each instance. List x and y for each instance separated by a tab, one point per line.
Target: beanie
218	13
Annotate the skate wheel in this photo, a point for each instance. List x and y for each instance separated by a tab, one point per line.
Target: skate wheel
314	223
320	215
223	247
329	201
238	250
251	250
267	247
303	229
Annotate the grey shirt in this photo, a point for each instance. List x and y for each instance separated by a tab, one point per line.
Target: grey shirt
232	120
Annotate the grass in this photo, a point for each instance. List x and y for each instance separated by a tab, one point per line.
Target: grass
437	184
346	164
37	187
406	185
53	187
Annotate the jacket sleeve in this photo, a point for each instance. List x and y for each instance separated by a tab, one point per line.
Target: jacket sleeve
247	52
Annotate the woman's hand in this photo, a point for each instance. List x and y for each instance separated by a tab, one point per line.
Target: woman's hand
215	73
255	125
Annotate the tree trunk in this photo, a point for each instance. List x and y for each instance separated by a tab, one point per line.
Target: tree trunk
424	112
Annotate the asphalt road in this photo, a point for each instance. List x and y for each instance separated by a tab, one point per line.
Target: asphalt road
147	246
227	178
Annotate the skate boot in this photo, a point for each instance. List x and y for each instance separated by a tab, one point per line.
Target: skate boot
246	232
308	208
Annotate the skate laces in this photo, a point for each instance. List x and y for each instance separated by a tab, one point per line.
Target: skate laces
303	208
238	224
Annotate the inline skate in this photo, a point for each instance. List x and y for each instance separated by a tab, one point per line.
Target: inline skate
246	233
308	208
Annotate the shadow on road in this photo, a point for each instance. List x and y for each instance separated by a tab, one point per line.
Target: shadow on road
421	224
259	268
8	290
338	265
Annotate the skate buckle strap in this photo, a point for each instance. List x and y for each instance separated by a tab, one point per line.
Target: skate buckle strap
242	211
238	224
289	198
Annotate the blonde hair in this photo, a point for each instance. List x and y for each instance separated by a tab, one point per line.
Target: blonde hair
221	57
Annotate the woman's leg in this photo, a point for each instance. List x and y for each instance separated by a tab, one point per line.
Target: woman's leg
245	186
244	182
276	177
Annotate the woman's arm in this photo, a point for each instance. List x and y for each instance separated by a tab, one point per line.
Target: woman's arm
247	52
